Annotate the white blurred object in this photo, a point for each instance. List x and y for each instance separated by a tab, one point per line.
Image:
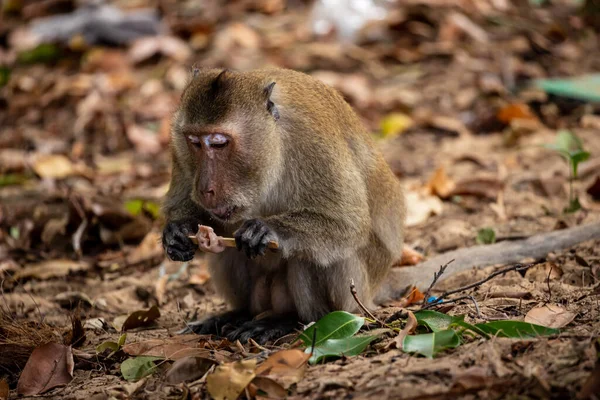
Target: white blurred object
347	17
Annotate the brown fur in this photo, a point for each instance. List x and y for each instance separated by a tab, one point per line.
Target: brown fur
312	175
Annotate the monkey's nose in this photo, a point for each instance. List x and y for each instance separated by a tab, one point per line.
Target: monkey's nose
209	197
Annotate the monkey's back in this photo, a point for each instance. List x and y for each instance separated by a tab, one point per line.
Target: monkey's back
335	153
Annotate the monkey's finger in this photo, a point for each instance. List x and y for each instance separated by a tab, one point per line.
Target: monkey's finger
181	241
238	239
258	237
177	255
262	246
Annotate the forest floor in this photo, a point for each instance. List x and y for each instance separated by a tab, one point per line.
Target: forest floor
84	165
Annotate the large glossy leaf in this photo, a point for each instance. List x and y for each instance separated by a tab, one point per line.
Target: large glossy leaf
437	321
429	344
335	325
516	329
349	346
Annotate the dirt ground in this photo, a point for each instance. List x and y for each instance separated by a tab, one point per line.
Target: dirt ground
84	165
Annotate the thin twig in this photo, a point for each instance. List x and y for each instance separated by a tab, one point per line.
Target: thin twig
516	267
361	305
476	306
436	276
548	283
451	301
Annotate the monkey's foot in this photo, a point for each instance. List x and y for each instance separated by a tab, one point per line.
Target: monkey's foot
265	330
219	325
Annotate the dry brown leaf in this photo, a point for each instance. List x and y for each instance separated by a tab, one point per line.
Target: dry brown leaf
200	277
543	272
286	366
411	325
149	248
594	189
72	299
188	369
144	140
229	380
270	388
49	366
4	389
414	295
170	46
440	184
174	348
448	124
51	269
515	111
549	315
410	256
479	187
420	207
550	187
54	227
141	318
53	166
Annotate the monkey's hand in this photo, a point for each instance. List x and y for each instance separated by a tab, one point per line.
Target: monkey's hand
208	241
177	244
254	237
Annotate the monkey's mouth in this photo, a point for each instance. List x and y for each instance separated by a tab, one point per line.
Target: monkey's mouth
223	212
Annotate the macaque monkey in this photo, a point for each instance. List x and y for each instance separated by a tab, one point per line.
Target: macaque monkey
275	155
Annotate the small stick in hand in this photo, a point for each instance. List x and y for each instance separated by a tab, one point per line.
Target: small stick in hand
208	241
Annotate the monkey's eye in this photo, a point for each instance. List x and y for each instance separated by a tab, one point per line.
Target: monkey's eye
218	141
195	140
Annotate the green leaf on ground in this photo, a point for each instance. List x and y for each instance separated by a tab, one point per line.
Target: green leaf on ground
486	236
335	325
12	179
113	346
516	329
4	76
429	344
136	206
43	53
585	87
134	369
437	321
349	346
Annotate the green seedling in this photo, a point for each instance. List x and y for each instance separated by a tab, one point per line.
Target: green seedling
571	149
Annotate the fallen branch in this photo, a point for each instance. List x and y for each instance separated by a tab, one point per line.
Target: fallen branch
536	247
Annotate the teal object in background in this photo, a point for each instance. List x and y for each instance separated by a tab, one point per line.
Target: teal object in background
585	87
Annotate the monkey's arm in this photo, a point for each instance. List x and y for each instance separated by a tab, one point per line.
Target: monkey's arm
322	237
183	217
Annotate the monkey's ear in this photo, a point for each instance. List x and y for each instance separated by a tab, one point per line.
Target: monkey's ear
270	105
195	71
219	82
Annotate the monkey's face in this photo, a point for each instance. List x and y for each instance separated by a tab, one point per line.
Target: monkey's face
225	138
